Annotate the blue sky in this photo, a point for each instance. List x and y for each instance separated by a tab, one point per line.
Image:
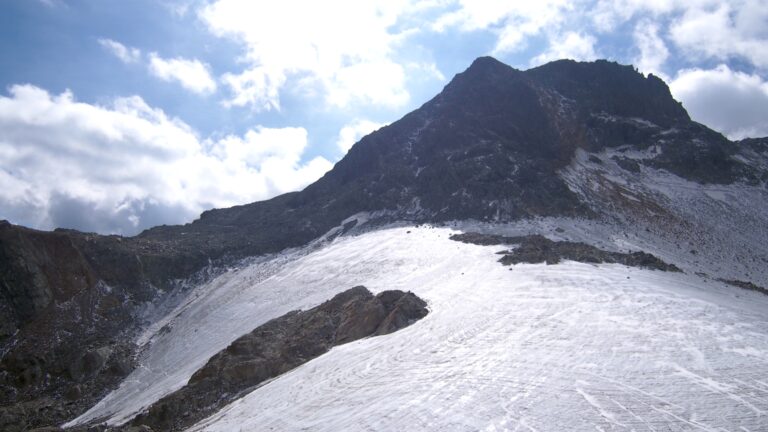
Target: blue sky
116	116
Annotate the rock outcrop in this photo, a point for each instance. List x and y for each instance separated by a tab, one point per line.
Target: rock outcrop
535	249
745	285
279	346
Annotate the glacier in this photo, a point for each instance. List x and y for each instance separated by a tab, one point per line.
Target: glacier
537	347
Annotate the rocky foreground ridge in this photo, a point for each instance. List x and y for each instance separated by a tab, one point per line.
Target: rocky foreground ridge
492	146
277	347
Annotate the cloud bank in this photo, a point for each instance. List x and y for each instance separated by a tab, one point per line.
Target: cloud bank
124	165
128	166
346	58
734	103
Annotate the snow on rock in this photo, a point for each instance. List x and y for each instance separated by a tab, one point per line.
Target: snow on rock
721	230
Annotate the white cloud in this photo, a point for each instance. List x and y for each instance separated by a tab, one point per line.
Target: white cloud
653	50
701	29
128	166
732	102
341	50
380	82
179	8
727	31
193	75
513	21
351	133
124	53
426	69
571	45
608	14
258	87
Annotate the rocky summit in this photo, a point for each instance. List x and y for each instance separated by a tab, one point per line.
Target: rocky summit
596	142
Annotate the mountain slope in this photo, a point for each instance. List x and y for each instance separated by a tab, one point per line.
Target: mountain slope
596	142
564	347
488	147
569	346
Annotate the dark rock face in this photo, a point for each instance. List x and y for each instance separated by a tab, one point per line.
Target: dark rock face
759	145
745	285
71	379
604	86
61	341
627	164
38	268
279	346
536	249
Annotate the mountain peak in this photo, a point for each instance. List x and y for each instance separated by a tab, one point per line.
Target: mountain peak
488	147
486	62
484	73
613	88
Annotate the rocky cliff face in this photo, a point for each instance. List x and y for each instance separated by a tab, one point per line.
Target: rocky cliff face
491	146
62	321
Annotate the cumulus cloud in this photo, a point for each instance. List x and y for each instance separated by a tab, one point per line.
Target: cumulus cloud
653	52
729	101
730	30
193	74
700	29
351	133
606	15
127	166
571	45
513	22
258	87
122	52
345	57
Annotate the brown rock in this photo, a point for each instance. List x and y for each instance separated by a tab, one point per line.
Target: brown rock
406	310
279	346
360	319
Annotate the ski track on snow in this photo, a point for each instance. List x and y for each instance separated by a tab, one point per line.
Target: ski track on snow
542	348
545	348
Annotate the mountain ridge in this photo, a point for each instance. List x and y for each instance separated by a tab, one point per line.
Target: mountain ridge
492	146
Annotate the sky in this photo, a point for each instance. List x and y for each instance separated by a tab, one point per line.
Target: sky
118	116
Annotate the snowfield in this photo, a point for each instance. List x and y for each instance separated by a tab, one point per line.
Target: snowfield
566	347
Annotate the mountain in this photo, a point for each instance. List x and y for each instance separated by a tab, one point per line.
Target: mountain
568	161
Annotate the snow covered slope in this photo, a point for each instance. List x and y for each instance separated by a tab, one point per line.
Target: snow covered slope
535	347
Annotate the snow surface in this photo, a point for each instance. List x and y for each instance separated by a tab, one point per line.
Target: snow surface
548	348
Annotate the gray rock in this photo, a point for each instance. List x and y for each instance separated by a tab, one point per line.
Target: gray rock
536	249
89	364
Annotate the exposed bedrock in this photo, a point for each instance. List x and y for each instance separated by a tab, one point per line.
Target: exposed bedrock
278	346
536	249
